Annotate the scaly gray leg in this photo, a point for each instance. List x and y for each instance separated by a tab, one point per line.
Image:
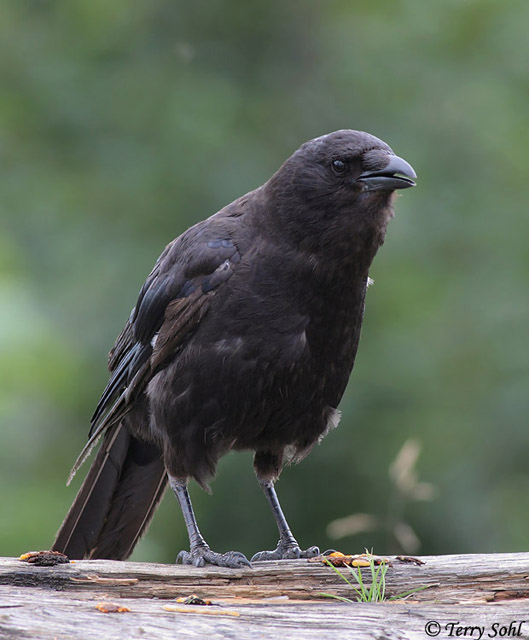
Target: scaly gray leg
287	547
199	552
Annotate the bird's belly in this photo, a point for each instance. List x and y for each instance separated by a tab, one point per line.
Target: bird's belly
247	392
262	387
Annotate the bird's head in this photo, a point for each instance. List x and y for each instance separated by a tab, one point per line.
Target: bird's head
340	178
347	164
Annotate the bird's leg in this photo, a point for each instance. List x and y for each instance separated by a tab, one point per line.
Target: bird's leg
287	547
199	552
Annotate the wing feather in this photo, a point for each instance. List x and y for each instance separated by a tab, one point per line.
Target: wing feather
172	302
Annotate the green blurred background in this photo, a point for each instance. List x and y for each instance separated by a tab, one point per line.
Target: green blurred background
122	123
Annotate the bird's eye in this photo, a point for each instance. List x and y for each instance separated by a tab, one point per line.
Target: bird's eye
338	166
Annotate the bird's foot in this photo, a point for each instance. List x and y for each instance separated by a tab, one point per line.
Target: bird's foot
200	556
286	551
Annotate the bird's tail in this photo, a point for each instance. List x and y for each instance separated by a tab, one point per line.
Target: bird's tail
116	501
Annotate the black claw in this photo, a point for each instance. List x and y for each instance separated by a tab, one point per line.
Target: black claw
234	559
181	557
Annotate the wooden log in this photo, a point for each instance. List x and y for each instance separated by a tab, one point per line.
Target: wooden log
466	595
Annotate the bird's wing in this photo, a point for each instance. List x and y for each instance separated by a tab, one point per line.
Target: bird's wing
170	305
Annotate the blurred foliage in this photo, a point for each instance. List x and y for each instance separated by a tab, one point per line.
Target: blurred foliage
123	123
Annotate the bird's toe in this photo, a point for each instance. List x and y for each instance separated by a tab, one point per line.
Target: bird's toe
285	552
202	556
186	557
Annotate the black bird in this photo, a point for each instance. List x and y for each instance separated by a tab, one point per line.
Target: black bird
243	337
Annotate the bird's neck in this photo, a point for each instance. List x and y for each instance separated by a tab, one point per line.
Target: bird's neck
346	243
349	236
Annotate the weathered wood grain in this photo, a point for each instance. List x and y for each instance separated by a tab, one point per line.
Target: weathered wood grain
272	600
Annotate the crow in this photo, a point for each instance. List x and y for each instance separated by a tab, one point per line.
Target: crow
243	337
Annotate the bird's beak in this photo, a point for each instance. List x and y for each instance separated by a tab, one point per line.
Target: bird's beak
397	174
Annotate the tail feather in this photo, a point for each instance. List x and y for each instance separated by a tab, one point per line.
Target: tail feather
141	487
116	500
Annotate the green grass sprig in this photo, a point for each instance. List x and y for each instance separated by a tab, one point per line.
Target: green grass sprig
376	591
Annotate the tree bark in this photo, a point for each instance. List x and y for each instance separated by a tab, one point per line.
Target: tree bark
465	594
